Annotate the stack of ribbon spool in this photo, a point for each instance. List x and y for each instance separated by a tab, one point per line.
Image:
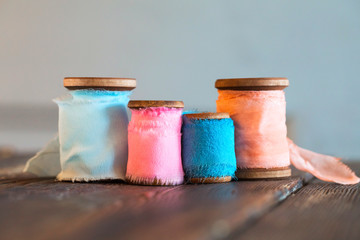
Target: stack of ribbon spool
93	128
155	143
257	106
208	151
245	139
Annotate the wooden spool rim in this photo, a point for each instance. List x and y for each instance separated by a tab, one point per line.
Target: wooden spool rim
263	173
107	83
208	115
136	104
149	182
211	180
252	84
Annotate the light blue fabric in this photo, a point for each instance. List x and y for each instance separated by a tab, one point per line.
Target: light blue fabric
208	148
46	163
93	135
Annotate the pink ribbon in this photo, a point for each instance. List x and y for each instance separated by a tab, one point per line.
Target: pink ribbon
155	146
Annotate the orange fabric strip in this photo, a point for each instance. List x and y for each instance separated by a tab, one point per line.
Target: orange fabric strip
260	137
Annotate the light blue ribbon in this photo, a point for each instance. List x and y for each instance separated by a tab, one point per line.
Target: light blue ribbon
93	135
208	148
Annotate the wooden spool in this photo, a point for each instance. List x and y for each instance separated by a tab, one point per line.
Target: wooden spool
136	104
211	180
209	115
256	84
263	173
252	84
141	104
100	83
154	182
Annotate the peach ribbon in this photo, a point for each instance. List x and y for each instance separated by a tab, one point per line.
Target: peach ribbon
260	137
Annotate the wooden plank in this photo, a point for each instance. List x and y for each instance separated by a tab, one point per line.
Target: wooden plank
191	211
38	209
12	164
319	210
41	208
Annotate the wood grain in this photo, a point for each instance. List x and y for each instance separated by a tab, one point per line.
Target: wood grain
41	208
190	211
12	165
319	210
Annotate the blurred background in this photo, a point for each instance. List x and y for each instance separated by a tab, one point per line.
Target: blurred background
176	50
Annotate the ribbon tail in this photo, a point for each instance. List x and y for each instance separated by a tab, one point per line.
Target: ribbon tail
46	163
324	167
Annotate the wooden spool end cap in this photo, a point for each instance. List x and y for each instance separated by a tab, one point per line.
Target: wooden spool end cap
211	180
149	182
263	173
104	83
252	84
136	104
208	115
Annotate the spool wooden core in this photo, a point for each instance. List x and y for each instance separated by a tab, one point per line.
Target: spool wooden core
136	104
252	84
101	83
263	173
203	116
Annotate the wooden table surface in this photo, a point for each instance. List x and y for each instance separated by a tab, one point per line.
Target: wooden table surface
299	207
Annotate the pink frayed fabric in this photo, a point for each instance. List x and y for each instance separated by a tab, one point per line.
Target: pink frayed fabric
260	137
154	136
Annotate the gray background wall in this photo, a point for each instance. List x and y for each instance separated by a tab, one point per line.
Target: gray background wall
176	50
